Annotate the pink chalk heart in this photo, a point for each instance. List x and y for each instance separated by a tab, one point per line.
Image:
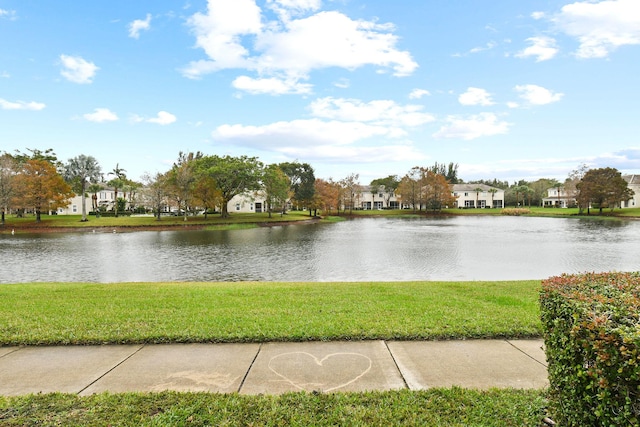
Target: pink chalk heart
307	372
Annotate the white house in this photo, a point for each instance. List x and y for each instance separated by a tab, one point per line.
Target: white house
376	198
478	196
559	198
633	182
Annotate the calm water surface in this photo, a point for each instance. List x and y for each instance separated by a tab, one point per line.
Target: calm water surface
457	248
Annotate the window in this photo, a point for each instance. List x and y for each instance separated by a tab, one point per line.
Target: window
237	206
466	194
74	209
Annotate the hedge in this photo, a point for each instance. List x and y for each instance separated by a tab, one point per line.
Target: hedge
591	332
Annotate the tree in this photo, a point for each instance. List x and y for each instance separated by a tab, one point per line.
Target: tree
351	188
571	185
493	192
604	187
42	186
181	179
118	182
329	193
80	171
155	192
410	187
232	175
449	172
477	190
206	193
276	187
93	189
387	186
437	192
8	166
301	181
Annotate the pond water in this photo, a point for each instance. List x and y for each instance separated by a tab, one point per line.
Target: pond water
370	249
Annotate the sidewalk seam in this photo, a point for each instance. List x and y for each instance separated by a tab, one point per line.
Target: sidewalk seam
12	351
110	370
525	353
249	369
395	362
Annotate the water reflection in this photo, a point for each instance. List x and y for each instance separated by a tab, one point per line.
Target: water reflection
455	248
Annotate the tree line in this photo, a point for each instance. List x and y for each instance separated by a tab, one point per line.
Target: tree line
37	181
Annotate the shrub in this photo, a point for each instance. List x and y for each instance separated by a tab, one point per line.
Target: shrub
591	328
515	211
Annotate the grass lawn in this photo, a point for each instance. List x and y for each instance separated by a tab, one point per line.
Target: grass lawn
80	313
87	313
74	221
435	407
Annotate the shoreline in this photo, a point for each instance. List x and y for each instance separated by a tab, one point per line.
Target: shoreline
45	228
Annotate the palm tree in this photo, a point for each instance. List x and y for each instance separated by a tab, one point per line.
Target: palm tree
93	189
478	190
117	182
493	192
79	171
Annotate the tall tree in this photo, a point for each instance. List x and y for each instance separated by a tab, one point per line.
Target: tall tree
604	187
276	188
410	187
449	172
232	175
329	194
8	170
351	188
119	180
301	181
206	193
79	172
387	186
182	178
155	192
437	192
43	187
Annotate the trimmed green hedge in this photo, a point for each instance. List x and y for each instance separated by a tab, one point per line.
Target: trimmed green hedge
592	336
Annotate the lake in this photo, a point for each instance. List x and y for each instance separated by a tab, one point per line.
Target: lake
368	249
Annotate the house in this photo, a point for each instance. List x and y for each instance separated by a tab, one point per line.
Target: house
376	198
559	198
478	196
633	182
103	199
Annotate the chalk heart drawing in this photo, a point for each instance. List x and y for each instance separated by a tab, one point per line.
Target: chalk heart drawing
307	372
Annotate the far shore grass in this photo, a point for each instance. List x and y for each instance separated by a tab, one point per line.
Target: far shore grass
247	220
90	313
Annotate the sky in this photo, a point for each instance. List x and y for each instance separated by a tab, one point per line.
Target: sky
506	89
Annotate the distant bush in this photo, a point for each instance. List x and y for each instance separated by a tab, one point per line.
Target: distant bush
515	211
592	336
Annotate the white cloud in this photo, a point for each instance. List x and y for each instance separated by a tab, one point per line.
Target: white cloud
600	27
21	105
101	115
342	83
542	48
77	70
320	140
488	46
475	96
379	112
538	95
476	126
8	14
163	118
271	86
288	8
139	25
418	93
538	15
233	34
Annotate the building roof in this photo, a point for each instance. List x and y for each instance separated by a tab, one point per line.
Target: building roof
472	187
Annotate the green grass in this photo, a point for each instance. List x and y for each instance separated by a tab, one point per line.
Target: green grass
435	407
74	221
82	313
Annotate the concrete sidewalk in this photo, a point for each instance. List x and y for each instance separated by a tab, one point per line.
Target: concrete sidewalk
273	368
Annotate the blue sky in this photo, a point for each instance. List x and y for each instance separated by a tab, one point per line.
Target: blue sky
507	89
